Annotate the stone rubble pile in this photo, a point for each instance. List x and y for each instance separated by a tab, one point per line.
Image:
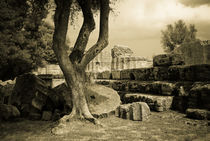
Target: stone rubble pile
34	99
169	84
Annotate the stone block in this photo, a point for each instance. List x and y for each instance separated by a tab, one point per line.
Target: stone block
198	114
119	85
106	75
99	75
160	73
125	74
174	73
140	111
143	74
46	115
115	75
124	111
168	88
153	101
201	92
194	73
137	111
168	60
180	103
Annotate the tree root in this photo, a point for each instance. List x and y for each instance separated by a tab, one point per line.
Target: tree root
61	127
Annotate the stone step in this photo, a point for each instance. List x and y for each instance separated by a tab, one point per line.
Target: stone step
165	88
155	102
137	111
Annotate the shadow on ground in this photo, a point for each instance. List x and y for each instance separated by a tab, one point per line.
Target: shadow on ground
168	125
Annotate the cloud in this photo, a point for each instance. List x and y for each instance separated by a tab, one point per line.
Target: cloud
195	3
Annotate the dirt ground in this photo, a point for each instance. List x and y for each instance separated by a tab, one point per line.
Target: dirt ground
170	125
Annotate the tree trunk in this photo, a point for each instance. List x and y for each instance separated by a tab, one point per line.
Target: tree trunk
73	73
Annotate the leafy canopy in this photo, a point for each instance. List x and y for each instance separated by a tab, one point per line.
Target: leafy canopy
175	35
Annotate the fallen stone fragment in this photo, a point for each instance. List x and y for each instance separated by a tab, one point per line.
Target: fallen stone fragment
198	114
137	111
8	112
153	101
46	115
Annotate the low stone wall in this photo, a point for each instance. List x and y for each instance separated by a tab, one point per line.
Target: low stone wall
173	73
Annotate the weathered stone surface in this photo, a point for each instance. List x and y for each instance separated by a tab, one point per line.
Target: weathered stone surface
64	97
167	88
137	111
101	100
168	60
153	101
26	88
152	87
119	85
124	111
200	95
115	75
6	88
180	103
106	75
8	112
140	111
125	75
194	73
46	115
160	73
30	92
198	114
143	74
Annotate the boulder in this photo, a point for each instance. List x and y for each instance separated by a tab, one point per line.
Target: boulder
168	60
153	101
101	100
198	113
8	112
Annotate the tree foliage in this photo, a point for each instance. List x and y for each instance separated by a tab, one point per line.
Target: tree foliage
20	36
177	34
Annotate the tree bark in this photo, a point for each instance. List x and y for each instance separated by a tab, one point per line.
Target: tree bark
73	66
74	75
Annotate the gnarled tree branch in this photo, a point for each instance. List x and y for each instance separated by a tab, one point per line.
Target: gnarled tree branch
103	34
87	27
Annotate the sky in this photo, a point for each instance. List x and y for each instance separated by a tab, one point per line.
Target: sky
138	23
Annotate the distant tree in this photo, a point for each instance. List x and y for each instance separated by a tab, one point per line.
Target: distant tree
175	35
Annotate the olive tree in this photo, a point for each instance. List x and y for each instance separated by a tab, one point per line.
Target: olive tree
73	66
